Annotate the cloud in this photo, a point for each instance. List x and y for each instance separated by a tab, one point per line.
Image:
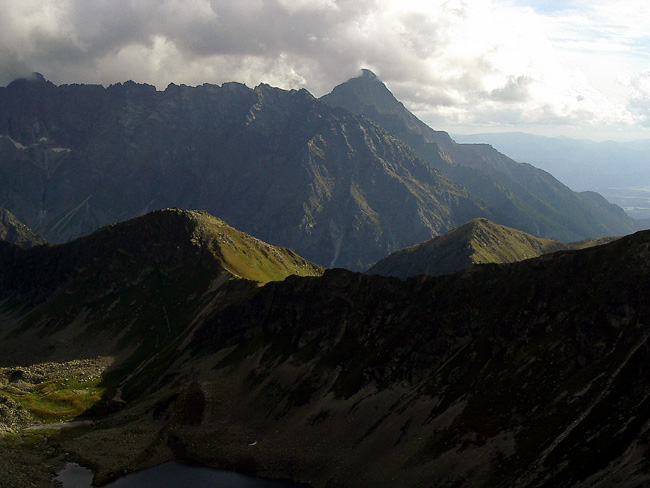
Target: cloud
640	85
454	61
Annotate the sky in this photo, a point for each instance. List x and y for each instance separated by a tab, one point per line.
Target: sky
578	68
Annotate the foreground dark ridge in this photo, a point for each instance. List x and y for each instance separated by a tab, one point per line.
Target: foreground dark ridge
528	374
142	279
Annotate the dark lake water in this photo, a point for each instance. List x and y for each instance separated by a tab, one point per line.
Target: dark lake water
172	475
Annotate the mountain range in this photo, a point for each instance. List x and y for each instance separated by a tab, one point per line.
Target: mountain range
165	333
334	185
278	164
581	164
147	333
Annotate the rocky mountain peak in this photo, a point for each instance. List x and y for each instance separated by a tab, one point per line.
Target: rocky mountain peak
367	92
522	194
367	95
33	78
33	81
368	75
195	232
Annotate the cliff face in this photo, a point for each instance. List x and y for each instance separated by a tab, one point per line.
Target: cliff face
525	374
278	164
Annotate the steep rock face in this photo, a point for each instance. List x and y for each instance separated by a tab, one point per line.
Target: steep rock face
14	231
528	198
277	164
476	242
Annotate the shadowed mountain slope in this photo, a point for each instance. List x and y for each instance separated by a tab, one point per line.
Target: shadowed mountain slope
528	198
87	295
529	374
14	231
278	164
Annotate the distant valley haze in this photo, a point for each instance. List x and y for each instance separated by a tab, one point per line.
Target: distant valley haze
618	170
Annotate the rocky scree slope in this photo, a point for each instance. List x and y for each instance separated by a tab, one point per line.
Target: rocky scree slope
527	198
280	165
479	241
14	231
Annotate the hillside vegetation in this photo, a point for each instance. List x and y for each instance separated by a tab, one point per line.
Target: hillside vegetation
479	241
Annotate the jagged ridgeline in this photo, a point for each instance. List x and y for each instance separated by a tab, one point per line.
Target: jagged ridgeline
280	165
479	241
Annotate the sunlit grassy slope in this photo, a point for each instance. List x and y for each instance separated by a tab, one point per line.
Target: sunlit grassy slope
476	242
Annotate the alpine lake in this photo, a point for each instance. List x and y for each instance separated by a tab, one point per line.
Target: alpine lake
171	475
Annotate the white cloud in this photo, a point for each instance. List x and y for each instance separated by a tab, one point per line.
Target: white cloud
640	86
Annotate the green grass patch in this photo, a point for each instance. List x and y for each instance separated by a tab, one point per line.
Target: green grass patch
59	400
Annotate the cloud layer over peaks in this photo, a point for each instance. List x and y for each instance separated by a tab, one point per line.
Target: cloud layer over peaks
454	62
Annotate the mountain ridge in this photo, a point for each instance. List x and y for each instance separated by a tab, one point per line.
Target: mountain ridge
277	164
191	253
